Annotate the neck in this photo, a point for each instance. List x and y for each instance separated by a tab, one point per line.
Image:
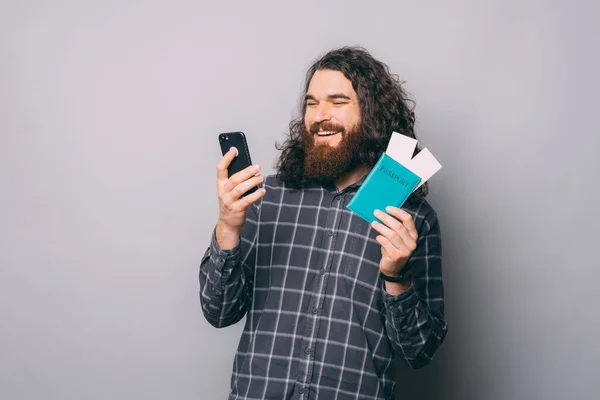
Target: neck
351	177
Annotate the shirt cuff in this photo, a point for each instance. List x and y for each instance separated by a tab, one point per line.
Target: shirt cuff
221	260
220	256
401	303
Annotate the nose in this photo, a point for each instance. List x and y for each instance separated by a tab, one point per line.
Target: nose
323	112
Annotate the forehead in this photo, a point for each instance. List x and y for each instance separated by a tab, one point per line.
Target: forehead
326	82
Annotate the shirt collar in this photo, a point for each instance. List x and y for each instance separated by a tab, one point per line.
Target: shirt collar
330	186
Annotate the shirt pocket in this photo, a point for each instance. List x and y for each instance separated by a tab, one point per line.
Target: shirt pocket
360	279
362	254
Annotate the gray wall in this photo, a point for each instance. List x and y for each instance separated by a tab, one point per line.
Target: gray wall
108	118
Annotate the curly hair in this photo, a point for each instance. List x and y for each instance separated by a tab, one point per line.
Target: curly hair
384	108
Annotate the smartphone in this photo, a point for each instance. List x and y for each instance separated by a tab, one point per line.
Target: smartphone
228	140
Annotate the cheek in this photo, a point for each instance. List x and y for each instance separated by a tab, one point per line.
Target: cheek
308	119
347	118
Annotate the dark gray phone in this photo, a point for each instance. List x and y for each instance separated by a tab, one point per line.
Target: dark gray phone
228	140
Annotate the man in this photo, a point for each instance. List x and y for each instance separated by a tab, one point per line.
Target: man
328	299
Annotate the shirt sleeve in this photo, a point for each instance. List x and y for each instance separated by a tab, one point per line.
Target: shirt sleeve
415	319
226	276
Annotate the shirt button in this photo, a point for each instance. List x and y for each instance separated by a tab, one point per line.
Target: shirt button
301	390
307	350
315	310
330	233
323	271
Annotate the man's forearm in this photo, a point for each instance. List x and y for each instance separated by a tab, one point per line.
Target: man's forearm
413	329
223	292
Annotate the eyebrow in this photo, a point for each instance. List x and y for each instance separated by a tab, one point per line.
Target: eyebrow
334	96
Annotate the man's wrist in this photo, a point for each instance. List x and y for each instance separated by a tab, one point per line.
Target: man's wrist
398	283
227	237
397	288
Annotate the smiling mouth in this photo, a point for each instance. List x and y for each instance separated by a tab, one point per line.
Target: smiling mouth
326	133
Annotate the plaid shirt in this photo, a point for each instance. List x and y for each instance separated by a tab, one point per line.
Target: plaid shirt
320	324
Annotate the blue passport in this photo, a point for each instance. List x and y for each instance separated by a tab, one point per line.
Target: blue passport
388	184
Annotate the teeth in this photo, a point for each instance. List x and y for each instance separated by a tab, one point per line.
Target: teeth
328	133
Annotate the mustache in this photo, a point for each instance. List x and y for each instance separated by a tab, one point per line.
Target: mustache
327	127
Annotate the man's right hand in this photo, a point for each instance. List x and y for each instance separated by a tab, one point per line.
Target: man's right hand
232	206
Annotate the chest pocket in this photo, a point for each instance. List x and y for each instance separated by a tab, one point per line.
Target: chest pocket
360	279
362	254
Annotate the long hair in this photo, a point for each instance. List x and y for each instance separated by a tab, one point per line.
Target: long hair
384	108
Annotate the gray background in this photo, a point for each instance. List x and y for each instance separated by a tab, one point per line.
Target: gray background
109	112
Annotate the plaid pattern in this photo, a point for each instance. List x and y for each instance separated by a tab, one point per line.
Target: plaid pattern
320	324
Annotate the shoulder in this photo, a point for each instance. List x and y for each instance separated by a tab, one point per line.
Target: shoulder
272	181
280	194
274	184
422	212
275	188
277	195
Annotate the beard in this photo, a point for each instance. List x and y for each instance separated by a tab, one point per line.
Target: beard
323	162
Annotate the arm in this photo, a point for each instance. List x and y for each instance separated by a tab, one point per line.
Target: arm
226	275
227	268
415	317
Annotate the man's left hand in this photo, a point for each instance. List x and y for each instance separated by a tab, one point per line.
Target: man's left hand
398	239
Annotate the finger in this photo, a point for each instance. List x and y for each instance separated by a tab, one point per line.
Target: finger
389	250
244	202
388	233
246	185
389	221
222	174
382	229
406	219
243	175
401	240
